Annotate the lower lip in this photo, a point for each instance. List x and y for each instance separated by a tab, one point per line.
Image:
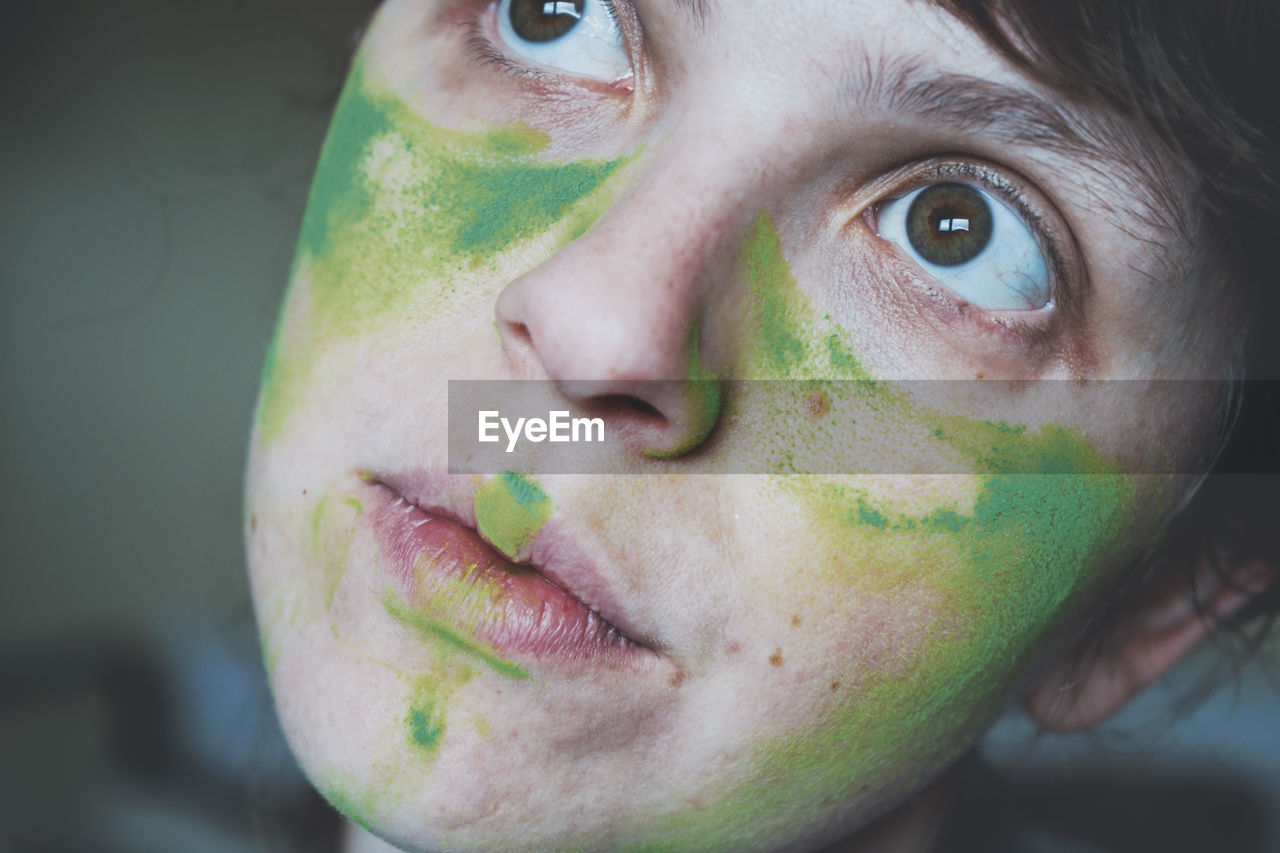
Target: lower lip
456	586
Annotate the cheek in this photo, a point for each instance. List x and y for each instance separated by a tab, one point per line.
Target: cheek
407	222
879	651
902	609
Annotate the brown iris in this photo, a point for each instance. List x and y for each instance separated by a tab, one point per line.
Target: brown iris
544	20
949	224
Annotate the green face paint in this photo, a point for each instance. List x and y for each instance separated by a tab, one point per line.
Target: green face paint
449	640
426	716
402	214
510	510
707	395
332	532
781	347
1046	515
362	805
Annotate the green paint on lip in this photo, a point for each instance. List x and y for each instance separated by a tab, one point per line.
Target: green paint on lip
403	212
510	510
451	638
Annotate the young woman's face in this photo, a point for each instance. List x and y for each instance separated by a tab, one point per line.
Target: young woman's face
710	191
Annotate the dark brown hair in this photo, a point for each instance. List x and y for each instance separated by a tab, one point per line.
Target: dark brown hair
1198	77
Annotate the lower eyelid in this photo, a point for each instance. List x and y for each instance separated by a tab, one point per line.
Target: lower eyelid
488	49
1016	331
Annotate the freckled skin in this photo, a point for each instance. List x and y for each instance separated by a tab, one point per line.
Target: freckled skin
825	644
986	581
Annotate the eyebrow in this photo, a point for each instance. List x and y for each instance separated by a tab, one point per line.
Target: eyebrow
1106	145
695	9
979	106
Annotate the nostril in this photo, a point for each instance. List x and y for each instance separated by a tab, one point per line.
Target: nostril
638	405
520	332
619	404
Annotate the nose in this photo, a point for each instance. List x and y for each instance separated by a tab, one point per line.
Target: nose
617	319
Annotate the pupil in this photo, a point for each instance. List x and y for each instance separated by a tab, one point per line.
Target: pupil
949	224
544	20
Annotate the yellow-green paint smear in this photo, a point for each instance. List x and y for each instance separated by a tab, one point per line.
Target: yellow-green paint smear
402	212
1047	514
780	307
707	396
425	719
510	510
449	639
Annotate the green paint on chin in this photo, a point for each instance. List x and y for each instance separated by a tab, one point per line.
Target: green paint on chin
426	716
362	807
402	213
510	510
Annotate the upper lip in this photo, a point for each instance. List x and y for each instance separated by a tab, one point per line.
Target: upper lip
552	553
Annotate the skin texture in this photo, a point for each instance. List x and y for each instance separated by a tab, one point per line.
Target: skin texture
817	646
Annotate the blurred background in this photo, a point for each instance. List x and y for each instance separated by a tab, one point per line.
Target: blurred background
154	160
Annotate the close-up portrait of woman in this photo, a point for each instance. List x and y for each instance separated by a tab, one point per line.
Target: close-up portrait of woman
643	202
692	425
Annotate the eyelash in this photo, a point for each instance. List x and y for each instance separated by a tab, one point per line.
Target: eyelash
1030	328
486	52
1033	324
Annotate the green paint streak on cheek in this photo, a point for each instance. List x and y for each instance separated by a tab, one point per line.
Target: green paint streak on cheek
842	359
331	536
779	307
1031	546
510	510
1047	515
787	345
401	210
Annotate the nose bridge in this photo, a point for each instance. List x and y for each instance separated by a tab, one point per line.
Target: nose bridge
625	306
681	215
629	293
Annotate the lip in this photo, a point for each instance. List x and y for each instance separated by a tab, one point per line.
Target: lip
452	584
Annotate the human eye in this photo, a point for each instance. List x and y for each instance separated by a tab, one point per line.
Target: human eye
576	37
971	243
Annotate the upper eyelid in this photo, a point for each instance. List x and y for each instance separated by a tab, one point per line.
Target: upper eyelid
490	50
1064	288
1013	192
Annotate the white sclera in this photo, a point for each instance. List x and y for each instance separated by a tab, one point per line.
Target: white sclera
1010	273
591	48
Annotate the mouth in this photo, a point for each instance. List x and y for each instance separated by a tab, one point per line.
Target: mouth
454	587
